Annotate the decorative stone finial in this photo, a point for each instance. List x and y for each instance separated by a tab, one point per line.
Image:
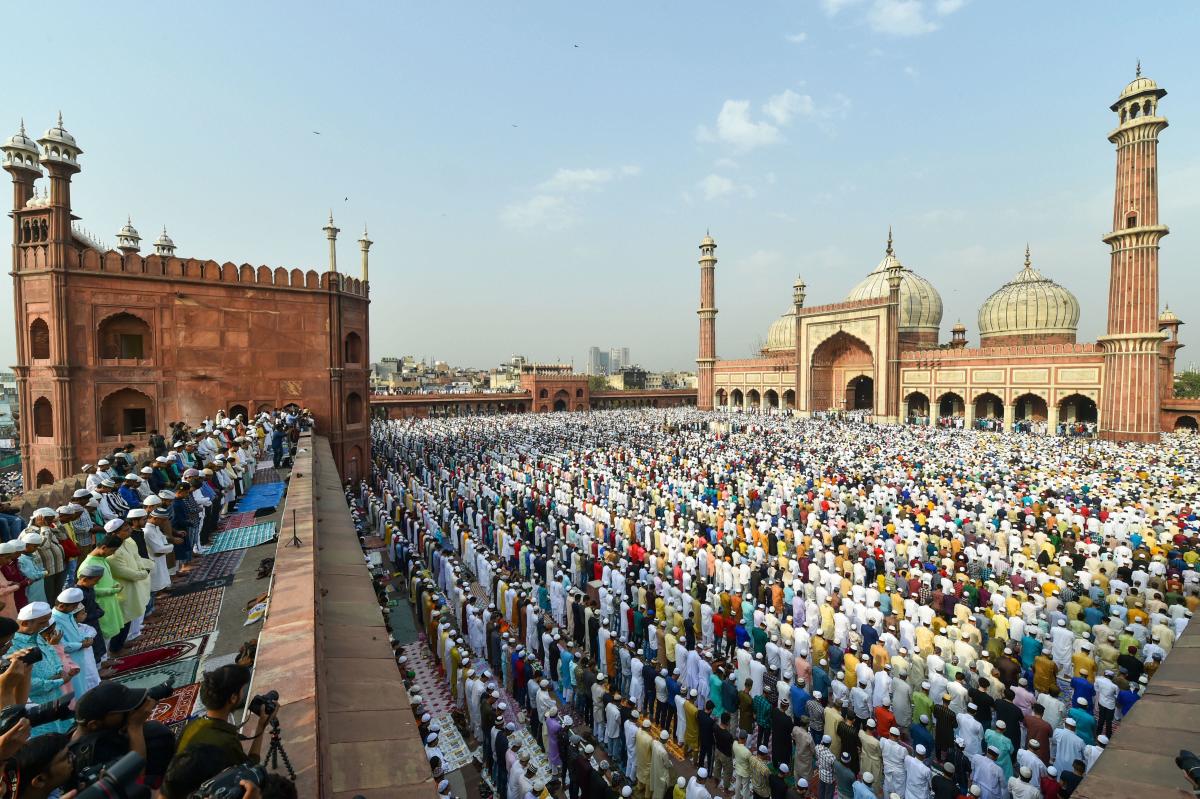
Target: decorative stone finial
1139	68
1028	263
890	251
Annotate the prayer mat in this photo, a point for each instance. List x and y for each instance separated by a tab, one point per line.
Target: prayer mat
177	707
189	587
267	474
215	564
177	672
178	618
235	520
256	613
429	679
455	752
176	650
242	538
262	495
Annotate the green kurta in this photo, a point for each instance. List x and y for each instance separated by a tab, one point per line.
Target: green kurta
133	572
107	597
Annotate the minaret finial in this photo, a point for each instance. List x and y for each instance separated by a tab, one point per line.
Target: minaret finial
60	119
22	126
1027	261
889	244
1139	68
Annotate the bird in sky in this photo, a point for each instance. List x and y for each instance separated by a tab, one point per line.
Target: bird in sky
317	132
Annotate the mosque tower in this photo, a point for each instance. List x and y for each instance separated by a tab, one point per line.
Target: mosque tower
1130	399
708	324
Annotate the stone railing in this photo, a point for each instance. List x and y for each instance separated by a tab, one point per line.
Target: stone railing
60	491
345	714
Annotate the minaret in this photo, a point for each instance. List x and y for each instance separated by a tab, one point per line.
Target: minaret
799	291
164	245
891	397
708	324
331	234
365	243
128	240
1129	409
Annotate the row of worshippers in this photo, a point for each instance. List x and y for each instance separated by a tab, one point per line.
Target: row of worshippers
944	649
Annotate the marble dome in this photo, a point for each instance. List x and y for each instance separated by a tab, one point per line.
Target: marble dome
1029	304
781	335
920	303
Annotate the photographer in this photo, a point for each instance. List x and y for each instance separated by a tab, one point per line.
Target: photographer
43	766
113	719
223	691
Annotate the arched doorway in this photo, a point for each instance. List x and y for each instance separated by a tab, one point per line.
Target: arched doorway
1030	408
1186	423
1077	415
753	399
838	360
735	398
916	408
562	400
860	394
789	399
950	406
126	412
989	406
771	399
722	399
44	478
124	335
239	410
43	419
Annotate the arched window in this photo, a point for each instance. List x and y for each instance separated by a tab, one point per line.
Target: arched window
126	412
354	408
39	339
1133	111
543	394
579	393
125	336
353	348
1131	220
43	418
44	478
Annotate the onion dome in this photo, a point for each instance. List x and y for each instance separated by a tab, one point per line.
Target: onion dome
21	152
920	303
127	237
781	335
1029	304
59	145
1168	317
164	245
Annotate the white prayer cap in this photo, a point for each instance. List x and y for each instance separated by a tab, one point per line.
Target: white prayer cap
71	596
112	525
43	512
34	610
136	513
31	538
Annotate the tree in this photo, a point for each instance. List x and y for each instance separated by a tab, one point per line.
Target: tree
598	383
1187	384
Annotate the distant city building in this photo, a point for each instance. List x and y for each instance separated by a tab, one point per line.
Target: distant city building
602	363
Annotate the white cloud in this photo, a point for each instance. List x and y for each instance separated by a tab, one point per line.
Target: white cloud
900	18
555	205
832	7
909	17
797	38
566	180
544	211
715	186
782	107
725	163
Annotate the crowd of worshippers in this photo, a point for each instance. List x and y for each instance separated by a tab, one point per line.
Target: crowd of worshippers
78	584
684	604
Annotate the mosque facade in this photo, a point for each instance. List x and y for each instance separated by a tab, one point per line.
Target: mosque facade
879	350
112	344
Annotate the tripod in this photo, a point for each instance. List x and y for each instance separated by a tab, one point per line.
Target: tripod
276	751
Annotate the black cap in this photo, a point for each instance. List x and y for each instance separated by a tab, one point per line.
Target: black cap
108	697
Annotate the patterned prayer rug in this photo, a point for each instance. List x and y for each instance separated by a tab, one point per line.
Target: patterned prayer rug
177	650
267	474
177	672
176	708
213	565
178	618
190	587
455	752
429	680
242	538
235	520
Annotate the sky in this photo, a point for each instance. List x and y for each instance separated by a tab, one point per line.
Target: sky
537	176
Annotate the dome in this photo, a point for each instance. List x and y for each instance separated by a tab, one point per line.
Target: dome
781	335
128	231
920	304
1137	86
1168	317
163	239
1029	304
59	134
19	141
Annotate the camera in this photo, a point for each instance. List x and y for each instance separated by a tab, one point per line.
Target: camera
226	785
38	715
1190	765
116	780
265	704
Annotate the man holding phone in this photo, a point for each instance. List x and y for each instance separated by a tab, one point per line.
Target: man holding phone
48	674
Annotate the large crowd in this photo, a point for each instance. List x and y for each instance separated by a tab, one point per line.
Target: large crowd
695	605
78	583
